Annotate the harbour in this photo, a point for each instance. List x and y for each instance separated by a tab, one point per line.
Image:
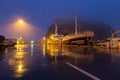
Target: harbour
59	40
60	57
51	62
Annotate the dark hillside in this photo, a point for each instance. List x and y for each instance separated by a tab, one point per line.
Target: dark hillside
102	31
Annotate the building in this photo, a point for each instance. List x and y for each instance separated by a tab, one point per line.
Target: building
113	42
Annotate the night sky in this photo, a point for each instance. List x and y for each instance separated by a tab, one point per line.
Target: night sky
41	13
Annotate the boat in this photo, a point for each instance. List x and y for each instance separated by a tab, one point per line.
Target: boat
78	38
56	38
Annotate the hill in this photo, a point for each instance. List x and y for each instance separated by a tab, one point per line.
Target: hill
101	30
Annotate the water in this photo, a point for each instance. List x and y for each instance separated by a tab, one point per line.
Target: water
48	62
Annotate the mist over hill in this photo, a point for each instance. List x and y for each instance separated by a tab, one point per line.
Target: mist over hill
101	30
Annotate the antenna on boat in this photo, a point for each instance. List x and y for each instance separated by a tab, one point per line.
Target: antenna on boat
56	27
76	25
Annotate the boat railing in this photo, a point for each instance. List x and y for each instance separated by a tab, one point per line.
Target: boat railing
83	33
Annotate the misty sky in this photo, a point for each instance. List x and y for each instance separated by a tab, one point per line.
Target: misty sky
41	13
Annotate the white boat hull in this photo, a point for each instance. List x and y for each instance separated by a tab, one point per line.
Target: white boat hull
81	38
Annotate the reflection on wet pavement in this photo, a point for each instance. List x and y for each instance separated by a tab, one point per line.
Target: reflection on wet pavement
50	60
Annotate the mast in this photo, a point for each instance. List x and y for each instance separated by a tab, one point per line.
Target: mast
56	27
76	26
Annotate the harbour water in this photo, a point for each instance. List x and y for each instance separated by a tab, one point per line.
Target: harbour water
53	62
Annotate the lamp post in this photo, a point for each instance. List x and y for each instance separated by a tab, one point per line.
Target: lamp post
20	23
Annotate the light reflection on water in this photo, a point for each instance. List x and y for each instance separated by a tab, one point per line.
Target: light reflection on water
32	49
77	55
41	57
17	62
58	54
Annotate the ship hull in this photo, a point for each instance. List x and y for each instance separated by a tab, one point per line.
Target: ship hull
84	38
78	41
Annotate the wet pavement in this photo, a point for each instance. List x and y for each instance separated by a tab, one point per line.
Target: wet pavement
50	62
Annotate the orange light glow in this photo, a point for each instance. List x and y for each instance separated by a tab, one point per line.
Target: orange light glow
21	21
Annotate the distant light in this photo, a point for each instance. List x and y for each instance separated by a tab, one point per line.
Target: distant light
31	42
20	37
44	38
21	21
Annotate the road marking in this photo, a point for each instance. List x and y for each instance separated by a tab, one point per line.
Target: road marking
82	71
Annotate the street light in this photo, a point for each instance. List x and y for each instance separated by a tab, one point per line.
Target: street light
20	21
19	28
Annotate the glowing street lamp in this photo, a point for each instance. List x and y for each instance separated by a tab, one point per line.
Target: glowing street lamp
21	21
